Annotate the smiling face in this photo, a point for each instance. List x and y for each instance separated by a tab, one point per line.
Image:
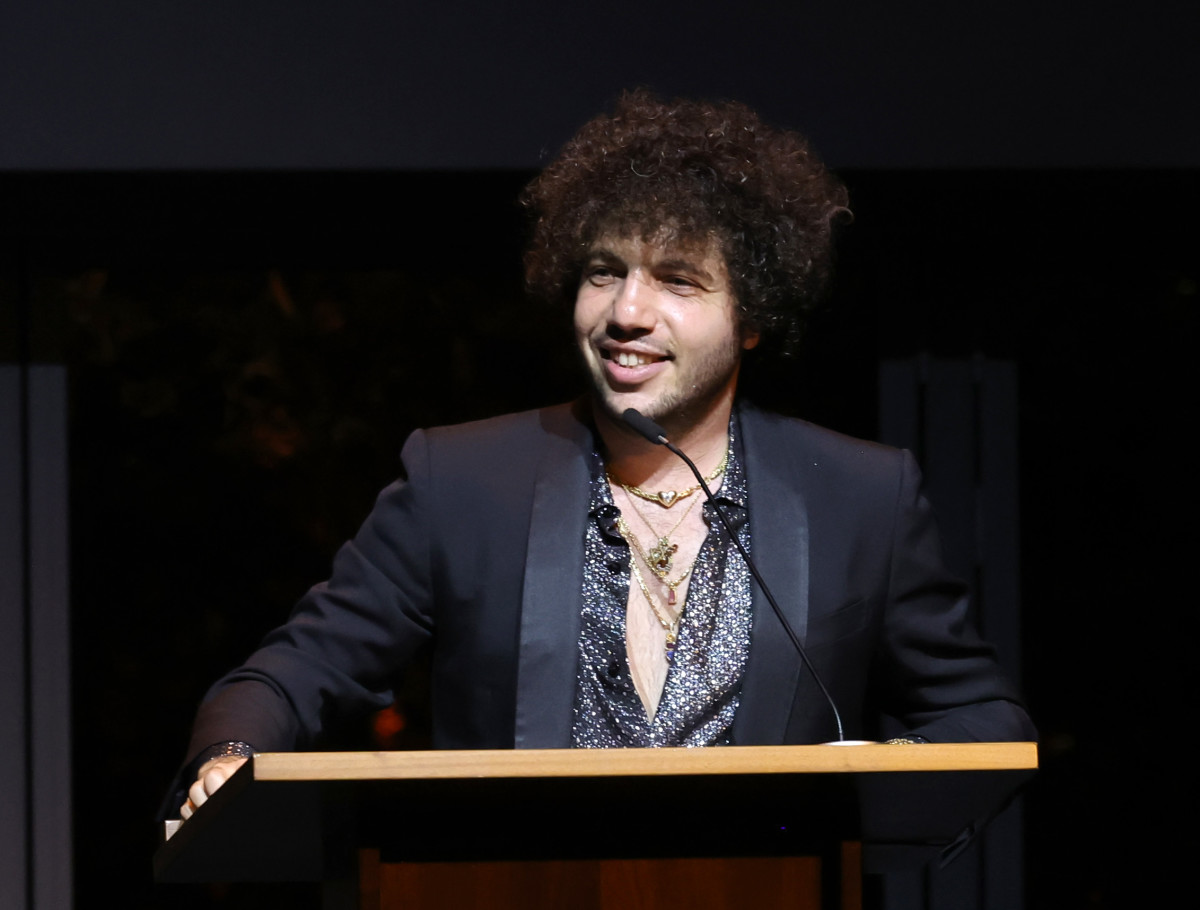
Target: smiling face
658	330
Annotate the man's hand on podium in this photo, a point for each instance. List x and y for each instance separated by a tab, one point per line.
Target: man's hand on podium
212	774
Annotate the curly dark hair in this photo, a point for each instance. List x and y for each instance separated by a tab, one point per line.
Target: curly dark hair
685	172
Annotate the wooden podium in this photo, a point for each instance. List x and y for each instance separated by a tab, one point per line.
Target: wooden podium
752	827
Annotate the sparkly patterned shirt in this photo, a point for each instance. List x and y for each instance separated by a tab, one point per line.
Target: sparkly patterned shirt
704	680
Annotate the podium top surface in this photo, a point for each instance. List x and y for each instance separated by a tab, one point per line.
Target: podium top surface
868	758
283	816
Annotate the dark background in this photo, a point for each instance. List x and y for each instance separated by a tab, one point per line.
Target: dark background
270	239
307	84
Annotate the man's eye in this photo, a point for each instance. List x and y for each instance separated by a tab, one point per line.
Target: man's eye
600	274
679	283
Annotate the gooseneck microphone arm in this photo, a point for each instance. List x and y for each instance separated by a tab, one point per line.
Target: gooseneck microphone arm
657	435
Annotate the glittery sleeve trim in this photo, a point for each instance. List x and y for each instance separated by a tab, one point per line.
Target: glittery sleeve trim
224	750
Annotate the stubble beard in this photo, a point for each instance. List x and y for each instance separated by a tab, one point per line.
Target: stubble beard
688	401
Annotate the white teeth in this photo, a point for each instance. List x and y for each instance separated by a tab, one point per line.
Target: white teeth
632	360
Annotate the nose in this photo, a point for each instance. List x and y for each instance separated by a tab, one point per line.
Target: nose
632	314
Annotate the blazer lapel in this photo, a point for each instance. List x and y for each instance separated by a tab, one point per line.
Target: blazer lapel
779	541
550	608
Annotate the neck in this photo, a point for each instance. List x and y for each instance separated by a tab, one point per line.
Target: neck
635	460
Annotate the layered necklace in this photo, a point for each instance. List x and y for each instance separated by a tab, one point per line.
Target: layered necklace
659	559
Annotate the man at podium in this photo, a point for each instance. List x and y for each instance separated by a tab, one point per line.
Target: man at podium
577	585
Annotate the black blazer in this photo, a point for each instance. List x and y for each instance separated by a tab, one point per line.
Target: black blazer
479	551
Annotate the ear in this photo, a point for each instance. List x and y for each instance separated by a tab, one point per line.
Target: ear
750	338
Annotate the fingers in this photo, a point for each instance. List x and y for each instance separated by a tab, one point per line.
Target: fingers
209	779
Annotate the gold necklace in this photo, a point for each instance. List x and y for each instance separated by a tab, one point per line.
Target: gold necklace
659	571
668	498
659	559
670	626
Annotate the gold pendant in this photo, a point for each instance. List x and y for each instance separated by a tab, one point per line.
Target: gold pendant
660	556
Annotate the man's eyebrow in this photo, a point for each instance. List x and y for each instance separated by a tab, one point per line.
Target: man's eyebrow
670	264
601	253
684	265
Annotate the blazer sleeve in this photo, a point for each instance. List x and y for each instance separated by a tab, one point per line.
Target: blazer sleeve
346	639
936	675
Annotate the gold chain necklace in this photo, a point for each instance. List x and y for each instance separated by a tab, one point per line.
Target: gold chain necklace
668	498
660	555
660	571
670	626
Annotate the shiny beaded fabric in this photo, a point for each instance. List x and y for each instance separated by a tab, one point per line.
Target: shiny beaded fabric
703	685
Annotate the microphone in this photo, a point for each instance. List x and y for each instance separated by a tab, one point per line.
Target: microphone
648	428
658	436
